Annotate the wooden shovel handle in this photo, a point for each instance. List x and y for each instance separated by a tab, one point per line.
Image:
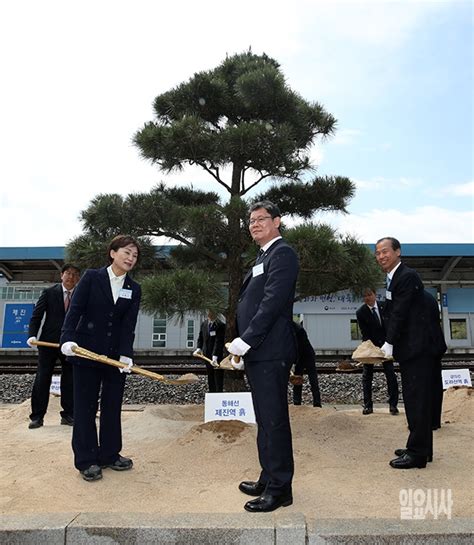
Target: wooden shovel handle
203	357
44	343
84	353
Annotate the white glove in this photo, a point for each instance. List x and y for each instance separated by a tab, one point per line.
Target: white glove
387	349
66	348
197	352
237	365
215	362
30	342
128	362
238	347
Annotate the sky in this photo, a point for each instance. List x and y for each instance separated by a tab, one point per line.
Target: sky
79	79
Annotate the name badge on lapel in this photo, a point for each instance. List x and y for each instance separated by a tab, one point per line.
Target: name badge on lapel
125	294
212	333
257	270
388	295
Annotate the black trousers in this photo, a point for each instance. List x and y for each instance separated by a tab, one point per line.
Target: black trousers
314	383
268	382
417	390
90	448
47	358
215	379
392	384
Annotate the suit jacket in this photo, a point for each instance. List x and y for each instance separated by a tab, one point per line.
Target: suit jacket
51	304
371	328
436	341
265	306
212	345
95	322
405	315
305	357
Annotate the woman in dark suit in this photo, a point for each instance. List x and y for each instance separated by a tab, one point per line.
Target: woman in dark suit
102	318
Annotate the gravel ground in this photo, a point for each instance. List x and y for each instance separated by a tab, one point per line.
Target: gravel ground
338	388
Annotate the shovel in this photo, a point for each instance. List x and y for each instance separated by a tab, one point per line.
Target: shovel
188	378
223	365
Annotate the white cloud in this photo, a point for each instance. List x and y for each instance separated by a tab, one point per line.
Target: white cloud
387	184
459	190
423	224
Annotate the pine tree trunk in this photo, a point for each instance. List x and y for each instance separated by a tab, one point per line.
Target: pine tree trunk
234	381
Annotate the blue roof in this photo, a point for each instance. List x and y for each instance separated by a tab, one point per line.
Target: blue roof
40	252
415	249
435	250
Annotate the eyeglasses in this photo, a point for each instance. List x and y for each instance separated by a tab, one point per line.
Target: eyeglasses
259	220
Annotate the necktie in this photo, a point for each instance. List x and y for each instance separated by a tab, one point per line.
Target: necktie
376	316
388	282
67	300
259	255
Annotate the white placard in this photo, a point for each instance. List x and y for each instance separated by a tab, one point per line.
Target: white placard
229	406
455	377
55	387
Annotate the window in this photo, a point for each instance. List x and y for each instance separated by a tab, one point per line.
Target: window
159	332
190	334
355	331
458	329
20	293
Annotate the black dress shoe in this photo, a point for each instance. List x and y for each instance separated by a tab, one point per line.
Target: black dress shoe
37	423
408	462
394	410
367	410
92	473
121	464
402	451
67	420
267	502
252	488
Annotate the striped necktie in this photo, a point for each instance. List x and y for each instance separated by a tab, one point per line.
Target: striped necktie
67	300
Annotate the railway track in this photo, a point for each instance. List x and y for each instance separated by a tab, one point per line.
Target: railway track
179	365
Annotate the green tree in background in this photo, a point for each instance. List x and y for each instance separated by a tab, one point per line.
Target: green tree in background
245	127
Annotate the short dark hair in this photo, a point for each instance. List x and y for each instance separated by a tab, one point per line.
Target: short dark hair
120	241
394	242
271	208
367	289
68	266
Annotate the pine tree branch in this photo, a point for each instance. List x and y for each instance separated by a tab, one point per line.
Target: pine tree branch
214	175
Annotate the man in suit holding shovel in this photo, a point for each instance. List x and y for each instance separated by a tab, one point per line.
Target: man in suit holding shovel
267	342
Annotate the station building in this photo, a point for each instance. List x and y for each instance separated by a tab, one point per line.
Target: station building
447	271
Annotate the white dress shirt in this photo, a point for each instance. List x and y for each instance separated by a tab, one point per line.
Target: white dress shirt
116	282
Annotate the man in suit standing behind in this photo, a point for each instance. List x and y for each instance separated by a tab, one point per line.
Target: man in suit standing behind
211	344
52	306
369	318
267	342
408	339
305	362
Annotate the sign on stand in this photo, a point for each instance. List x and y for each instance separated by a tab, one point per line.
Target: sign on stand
55	387
229	406
455	377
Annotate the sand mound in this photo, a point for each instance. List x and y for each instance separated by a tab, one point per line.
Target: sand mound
227	431
458	405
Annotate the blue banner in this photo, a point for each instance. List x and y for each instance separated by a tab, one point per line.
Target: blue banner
15	324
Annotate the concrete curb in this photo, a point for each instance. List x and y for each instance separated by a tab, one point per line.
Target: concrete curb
225	529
